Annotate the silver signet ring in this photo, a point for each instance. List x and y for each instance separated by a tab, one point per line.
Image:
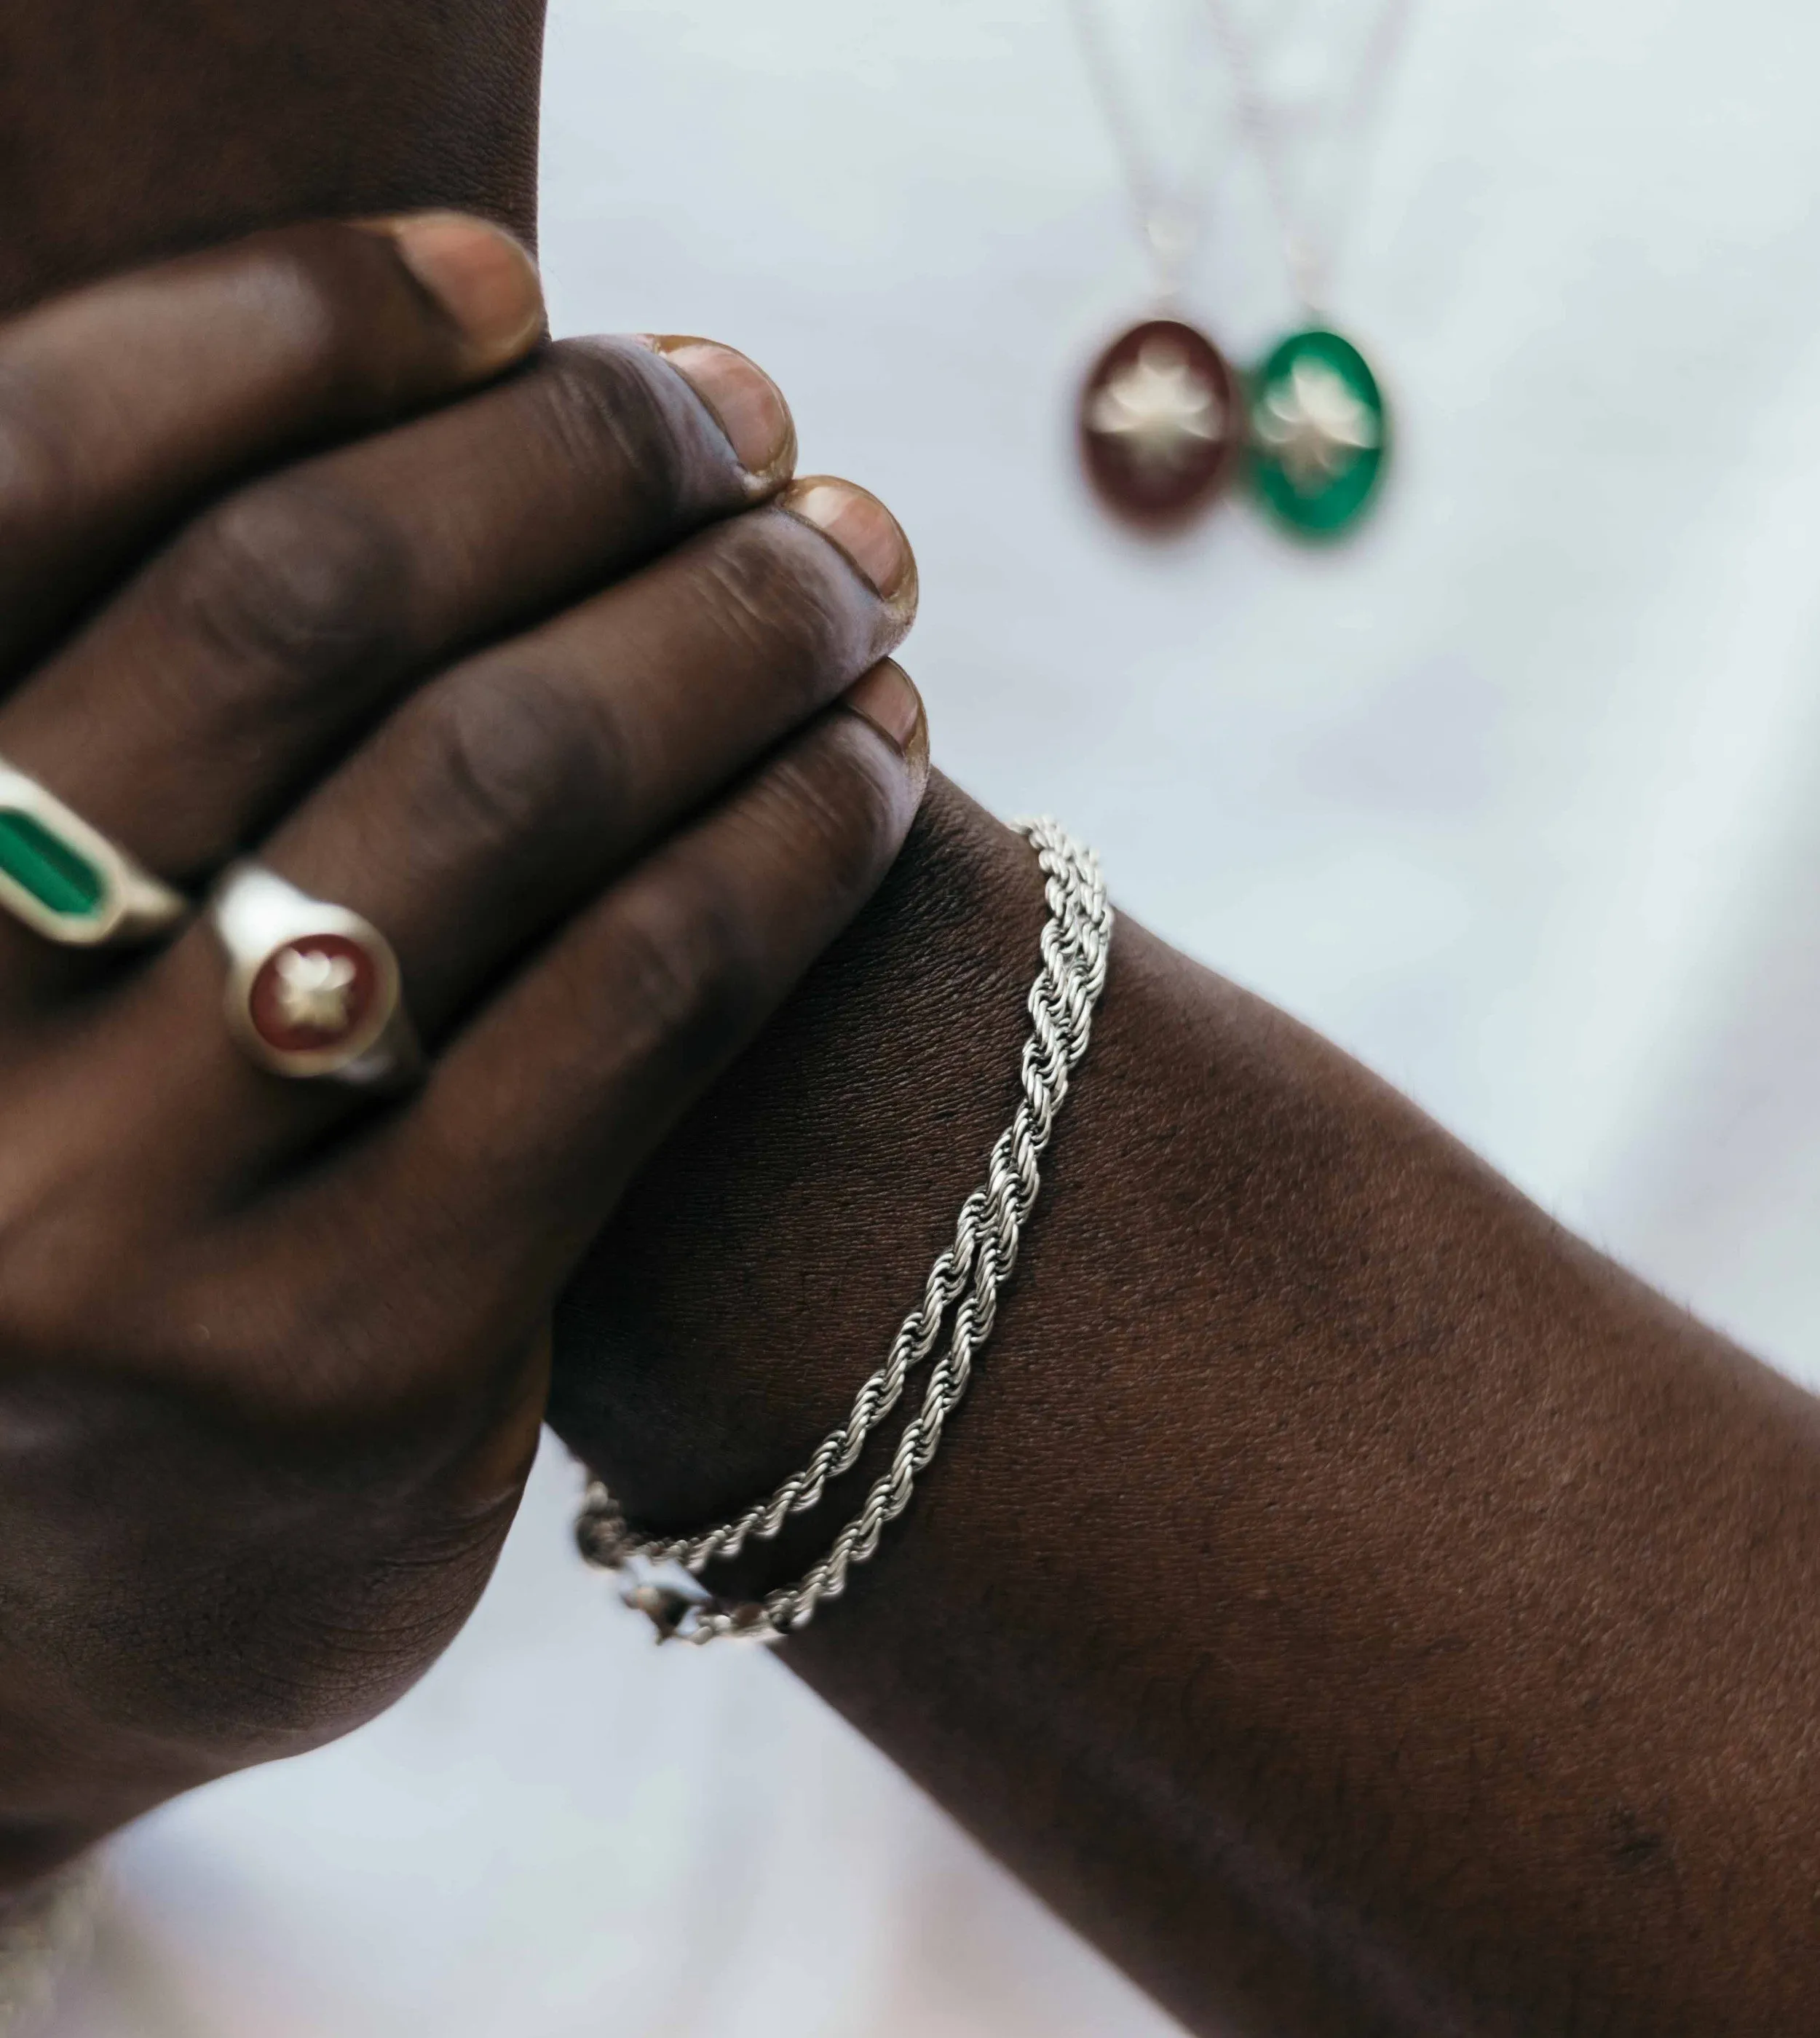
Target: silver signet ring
313	990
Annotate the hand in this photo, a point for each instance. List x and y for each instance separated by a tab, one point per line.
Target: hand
272	1361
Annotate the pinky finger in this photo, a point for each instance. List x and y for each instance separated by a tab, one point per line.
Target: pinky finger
493	1184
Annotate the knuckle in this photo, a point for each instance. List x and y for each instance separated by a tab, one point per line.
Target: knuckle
292	586
41	466
613	422
507	752
688	971
836	806
358	338
772	590
701	958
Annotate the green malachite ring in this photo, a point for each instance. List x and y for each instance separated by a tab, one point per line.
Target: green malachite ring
66	881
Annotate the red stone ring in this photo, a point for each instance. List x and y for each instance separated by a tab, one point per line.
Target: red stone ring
313	990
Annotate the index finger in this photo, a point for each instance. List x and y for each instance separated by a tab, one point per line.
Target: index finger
124	402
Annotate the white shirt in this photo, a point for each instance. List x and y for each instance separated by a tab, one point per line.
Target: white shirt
1517	796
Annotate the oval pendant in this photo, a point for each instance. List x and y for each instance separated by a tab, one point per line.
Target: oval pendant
1320	433
1161	422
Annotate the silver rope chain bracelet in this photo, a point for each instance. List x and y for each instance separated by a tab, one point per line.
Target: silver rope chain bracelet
662	1576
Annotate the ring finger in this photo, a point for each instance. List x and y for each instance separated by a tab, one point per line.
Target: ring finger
498	800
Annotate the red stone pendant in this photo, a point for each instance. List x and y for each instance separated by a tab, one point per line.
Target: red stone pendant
1162	424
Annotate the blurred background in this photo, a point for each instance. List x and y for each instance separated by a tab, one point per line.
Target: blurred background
1516	794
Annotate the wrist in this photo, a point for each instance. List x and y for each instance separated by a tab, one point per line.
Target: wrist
65	1783
936	1343
895	1063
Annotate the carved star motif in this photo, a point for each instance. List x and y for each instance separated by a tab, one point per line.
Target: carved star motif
313	988
1314	425
1160	409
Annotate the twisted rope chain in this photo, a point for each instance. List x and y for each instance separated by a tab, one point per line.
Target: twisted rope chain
664	1573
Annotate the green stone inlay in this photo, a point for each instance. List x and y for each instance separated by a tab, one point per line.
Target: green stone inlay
62	881
1320	433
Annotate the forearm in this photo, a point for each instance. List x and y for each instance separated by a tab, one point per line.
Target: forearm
1343	1595
1352	1602
137	130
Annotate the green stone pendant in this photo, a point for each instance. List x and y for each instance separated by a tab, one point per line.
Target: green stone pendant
1320	433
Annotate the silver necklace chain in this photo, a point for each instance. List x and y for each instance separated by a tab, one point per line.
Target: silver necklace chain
663	1572
1310	264
1170	225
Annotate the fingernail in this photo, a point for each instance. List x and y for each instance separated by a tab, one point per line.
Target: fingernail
887	697
744	401
865	530
483	277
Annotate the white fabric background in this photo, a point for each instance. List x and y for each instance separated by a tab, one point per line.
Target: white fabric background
1519	797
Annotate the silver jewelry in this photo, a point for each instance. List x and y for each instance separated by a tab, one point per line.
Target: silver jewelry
1320	425
66	881
1170	219
1310	254
312	990
662	1575
1165	425
1160	418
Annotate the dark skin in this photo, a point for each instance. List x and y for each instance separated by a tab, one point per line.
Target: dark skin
1353	1603
1356	1604
137	131
531	655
